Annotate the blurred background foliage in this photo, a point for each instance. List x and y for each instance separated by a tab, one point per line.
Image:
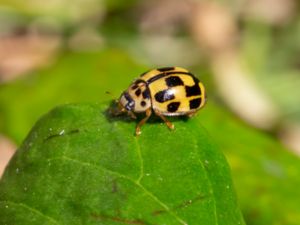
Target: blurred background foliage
246	52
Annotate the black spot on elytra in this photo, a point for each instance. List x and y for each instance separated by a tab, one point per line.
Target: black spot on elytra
138	92
157	77
146	93
173	106
164	74
195	103
195	79
137	83
135	86
143	103
173	81
193	90
164	69
164	96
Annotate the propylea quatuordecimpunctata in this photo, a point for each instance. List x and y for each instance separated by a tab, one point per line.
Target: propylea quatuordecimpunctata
168	91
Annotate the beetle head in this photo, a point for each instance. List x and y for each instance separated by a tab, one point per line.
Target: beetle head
126	101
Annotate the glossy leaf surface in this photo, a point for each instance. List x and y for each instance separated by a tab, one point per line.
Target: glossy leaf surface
80	166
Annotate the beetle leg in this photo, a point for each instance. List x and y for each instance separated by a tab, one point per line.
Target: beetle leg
131	114
191	114
138	127
168	123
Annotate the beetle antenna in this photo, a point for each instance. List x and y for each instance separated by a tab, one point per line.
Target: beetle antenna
111	95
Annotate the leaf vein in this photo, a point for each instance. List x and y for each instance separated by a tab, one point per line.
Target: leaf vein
31	209
138	147
151	195
209	181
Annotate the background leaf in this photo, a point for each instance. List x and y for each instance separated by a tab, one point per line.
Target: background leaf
76	77
78	166
265	174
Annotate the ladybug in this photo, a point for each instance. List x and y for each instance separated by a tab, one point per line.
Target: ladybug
167	91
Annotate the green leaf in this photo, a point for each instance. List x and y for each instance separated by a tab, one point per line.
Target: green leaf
275	70
62	14
79	166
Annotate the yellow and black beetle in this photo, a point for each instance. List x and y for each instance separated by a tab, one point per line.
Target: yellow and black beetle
168	91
